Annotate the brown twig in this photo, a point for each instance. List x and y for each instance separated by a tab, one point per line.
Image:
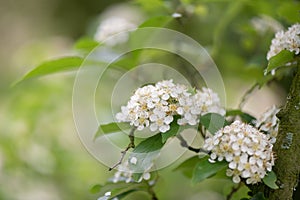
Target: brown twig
123	153
184	144
234	190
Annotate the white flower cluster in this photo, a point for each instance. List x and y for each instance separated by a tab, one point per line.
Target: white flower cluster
268	123
124	172
154	106
289	40
112	26
248	151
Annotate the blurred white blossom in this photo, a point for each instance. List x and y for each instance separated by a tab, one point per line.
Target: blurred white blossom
268	122
264	23
247	151
154	106
112	26
286	40
124	173
115	22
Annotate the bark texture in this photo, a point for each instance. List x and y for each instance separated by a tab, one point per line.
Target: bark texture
287	147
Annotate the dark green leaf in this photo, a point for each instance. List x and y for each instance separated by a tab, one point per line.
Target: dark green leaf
145	152
86	44
204	169
279	60
270	180
213	122
258	196
187	166
245	117
111	128
157	21
54	66
174	128
96	188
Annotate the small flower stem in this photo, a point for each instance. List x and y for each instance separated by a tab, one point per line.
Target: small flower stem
247	94
234	190
123	153
184	144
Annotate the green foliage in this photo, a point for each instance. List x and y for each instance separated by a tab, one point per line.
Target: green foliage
270	180
85	45
188	166
54	66
111	128
204	169
145	152
280	60
120	190
157	21
96	189
174	128
258	196
245	117
213	122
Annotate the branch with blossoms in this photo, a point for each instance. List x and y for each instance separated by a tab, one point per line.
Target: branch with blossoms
241	148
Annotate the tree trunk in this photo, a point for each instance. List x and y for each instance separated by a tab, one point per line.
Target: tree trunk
287	146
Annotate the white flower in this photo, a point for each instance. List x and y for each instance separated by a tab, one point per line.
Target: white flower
154	106
288	40
269	122
124	173
133	160
176	15
247	151
111	26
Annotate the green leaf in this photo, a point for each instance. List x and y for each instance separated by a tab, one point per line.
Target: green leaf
270	180
245	117
258	196
174	128
187	166
95	189
213	122
204	169
157	21
145	152
122	189
54	66
112	128
123	194
279	60
86	44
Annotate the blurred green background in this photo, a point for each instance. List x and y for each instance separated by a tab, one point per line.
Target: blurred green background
41	156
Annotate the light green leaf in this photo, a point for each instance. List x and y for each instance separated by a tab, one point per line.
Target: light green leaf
187	166
279	60
86	44
54	66
174	128
270	180
112	128
204	169
122	189
157	21
95	189
145	152
213	122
